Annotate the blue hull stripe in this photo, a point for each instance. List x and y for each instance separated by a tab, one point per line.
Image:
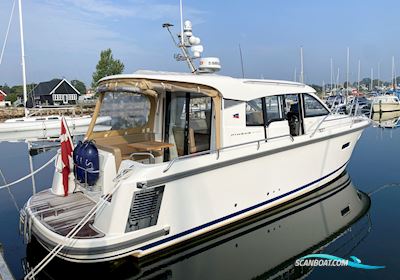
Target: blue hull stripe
151	245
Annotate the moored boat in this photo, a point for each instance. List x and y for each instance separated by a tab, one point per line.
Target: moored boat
185	156
385	103
42	127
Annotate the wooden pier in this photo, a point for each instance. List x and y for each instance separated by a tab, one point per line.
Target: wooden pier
5	273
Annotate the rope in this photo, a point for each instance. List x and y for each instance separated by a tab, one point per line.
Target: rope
8	31
29	175
9	191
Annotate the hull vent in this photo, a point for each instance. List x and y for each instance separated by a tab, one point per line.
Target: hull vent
145	208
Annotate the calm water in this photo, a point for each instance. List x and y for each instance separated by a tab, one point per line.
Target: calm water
267	247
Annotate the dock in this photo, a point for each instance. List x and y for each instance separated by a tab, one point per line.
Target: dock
5	273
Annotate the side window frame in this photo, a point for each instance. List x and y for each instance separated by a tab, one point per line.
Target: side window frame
262	112
304	107
280	110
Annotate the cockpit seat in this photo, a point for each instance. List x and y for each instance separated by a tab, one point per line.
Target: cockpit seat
118	145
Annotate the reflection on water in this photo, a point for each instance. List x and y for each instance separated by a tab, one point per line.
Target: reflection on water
386	119
263	247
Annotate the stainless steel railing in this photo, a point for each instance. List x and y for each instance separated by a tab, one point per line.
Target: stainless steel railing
217	151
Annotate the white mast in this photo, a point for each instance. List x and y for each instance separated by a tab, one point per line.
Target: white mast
181	14
347	73
23	56
337	78
301	66
372	78
359	75
331	87
393	75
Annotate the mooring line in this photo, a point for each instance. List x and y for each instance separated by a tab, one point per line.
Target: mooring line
29	175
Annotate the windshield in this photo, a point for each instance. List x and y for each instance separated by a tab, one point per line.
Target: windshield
125	110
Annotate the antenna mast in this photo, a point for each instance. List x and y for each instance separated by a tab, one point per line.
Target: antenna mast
23	57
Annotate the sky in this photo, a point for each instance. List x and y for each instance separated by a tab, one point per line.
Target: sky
63	38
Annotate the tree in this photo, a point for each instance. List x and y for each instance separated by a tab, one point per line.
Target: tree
106	66
79	85
12	97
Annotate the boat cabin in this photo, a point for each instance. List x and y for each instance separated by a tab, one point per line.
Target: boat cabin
156	117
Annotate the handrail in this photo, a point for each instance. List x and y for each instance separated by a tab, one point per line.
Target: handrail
217	151
150	155
331	113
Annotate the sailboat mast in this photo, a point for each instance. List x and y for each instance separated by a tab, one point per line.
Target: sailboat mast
372	78
347	74
393	75
331	87
359	75
23	56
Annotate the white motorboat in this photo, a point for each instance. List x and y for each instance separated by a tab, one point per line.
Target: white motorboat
188	154
43	127
385	103
208	163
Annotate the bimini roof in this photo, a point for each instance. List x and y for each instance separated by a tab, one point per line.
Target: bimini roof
230	88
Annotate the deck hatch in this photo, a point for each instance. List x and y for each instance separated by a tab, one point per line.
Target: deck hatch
145	208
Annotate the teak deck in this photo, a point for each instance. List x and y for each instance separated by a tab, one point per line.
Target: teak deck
62	214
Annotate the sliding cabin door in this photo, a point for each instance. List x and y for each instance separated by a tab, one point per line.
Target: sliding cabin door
187	123
294	113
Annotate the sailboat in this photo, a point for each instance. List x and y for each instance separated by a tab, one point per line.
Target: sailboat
33	127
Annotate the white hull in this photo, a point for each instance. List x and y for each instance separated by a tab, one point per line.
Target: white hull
205	193
318	219
386	107
46	127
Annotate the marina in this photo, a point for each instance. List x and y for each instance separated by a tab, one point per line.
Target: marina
196	172
364	239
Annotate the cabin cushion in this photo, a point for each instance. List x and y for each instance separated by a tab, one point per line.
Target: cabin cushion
118	145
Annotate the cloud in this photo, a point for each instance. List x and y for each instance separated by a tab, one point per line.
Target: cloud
132	8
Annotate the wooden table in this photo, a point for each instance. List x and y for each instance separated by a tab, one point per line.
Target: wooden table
150	146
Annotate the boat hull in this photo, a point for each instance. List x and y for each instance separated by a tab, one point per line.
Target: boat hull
215	193
386	107
30	129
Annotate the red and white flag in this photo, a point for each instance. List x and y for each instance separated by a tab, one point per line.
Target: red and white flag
67	148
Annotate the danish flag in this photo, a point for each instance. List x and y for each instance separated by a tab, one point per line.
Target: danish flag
67	148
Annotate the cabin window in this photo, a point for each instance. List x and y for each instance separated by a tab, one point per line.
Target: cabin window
312	107
126	110
273	108
254	113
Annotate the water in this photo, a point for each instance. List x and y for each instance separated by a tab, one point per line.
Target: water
268	246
